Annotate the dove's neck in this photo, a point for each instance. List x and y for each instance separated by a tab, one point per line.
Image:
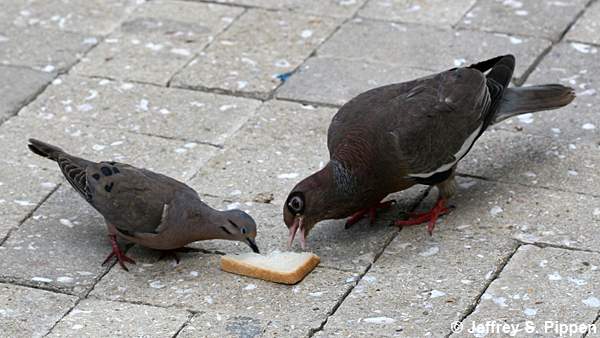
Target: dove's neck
208	224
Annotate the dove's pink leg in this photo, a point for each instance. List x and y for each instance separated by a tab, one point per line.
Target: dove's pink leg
372	212
116	252
431	216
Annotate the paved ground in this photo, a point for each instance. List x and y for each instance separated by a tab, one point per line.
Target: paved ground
191	89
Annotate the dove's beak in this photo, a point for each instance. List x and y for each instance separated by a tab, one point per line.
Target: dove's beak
252	245
297	225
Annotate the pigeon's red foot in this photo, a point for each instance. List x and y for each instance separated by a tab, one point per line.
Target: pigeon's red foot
372	212
116	252
431	216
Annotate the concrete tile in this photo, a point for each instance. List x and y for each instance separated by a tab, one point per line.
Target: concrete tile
336	81
256	48
176	158
275	149
27	312
226	302
157	40
421	284
535	160
409	46
547	19
22	189
352	250
54	51
430	12
97	318
61	246
19	86
146	109
335	8
574	65
540	285
95	17
587	27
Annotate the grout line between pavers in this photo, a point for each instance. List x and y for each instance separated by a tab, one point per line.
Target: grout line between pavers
543	245
587	331
210	43
186	323
494	276
26	284
333	310
3	240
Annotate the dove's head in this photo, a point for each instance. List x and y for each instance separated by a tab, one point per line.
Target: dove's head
310	201
240	227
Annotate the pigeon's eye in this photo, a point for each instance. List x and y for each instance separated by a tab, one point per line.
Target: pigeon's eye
243	230
296	204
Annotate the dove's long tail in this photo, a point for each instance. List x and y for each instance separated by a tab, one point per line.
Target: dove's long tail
44	149
521	100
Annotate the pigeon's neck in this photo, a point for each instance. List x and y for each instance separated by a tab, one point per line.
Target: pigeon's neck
209	225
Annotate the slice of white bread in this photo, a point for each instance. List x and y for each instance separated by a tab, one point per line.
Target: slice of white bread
278	267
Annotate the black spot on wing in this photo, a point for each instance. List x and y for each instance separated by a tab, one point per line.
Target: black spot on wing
235	225
225	229
115	170
106	171
109	187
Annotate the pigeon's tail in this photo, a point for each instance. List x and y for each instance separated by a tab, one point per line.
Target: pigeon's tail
521	100
44	149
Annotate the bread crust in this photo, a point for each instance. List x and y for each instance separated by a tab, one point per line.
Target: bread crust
233	265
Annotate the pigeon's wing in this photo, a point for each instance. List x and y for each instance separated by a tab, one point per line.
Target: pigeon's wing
130	198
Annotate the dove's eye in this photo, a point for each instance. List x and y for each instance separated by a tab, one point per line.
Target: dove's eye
243	230
296	204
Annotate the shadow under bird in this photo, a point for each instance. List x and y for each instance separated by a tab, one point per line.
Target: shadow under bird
147	208
390	138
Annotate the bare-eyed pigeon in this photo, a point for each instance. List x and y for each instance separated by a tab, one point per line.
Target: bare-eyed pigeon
390	138
145	207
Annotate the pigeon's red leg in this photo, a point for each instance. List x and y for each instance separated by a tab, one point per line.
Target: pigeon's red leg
372	212
116	252
431	216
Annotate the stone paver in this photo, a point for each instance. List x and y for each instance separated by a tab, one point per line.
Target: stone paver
530	18
17	93
431	12
19	197
327	79
97	318
574	65
535	160
256	48
587	28
93	17
410	46
541	285
27	312
337	8
269	155
225	301
157	40
54	50
146	109
61	246
177	158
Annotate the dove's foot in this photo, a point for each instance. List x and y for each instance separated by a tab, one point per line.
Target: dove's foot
116	252
372	212
431	216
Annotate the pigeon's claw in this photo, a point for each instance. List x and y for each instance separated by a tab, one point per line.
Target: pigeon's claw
431	216
371	211
116	252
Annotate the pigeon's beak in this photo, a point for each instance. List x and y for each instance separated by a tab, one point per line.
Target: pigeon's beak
252	245
297	225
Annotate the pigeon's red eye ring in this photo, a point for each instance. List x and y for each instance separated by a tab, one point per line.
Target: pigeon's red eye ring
295	203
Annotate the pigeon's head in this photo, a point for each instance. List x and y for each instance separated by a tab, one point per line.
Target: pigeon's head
306	205
240	227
